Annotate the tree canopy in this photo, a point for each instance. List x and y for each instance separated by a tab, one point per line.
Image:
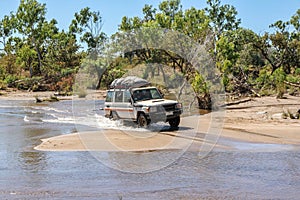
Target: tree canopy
36	55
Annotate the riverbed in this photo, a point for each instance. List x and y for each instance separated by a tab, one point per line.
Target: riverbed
247	171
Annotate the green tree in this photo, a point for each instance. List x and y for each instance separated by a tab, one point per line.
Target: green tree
6	30
88	25
199	25
30	21
222	18
238	60
63	58
281	48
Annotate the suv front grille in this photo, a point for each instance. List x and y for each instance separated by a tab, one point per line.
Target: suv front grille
169	107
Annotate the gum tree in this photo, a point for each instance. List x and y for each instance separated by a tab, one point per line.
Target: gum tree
198	24
87	25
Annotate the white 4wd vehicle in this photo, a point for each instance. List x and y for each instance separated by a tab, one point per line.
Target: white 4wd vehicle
132	99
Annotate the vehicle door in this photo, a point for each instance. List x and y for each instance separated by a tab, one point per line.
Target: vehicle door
109	102
123	104
128	108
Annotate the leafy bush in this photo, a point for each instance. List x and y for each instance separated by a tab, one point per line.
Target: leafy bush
293	79
200	85
10	79
3	85
279	77
65	84
34	84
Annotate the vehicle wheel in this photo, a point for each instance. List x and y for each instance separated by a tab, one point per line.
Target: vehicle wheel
174	123
114	116
142	121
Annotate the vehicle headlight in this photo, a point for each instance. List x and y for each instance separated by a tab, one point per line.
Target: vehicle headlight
178	106
146	109
153	109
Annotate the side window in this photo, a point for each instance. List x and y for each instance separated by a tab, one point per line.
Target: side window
127	96
137	96
109	97
119	96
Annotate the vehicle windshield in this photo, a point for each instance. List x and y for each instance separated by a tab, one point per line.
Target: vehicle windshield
146	94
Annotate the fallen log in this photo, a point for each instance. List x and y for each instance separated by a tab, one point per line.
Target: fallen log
292	84
236	102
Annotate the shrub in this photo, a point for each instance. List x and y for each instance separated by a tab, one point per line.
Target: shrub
279	77
65	84
33	84
10	79
3	85
297	71
82	93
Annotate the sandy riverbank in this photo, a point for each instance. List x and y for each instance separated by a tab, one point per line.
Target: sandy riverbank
29	95
256	121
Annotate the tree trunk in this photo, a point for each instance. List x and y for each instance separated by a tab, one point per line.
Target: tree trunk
39	59
100	76
163	73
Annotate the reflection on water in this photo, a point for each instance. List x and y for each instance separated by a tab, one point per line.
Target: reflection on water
32	161
29	174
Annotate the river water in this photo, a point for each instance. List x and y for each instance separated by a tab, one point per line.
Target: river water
273	172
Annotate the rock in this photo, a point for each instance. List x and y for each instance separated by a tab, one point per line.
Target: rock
51	99
297	114
277	116
262	112
38	100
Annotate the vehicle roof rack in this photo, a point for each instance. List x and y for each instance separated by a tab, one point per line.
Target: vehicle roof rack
129	82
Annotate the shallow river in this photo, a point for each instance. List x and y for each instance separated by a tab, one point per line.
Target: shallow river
271	173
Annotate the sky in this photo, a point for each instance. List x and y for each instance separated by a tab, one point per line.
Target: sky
256	15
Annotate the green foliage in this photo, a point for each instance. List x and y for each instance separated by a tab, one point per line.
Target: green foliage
227	54
222	17
111	75
82	93
10	79
200	85
8	66
3	85
263	79
297	71
88	24
37	55
294	79
38	49
32	84
279	77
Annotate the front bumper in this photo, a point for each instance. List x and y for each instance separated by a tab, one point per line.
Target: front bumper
163	116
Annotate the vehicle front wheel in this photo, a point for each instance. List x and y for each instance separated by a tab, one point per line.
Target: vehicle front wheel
174	123
142	121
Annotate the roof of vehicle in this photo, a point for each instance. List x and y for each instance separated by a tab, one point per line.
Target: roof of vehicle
129	82
142	88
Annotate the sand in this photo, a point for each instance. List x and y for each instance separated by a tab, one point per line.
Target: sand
13	94
258	120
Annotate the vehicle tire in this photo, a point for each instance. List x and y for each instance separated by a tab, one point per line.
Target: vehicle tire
142	121
174	123
114	116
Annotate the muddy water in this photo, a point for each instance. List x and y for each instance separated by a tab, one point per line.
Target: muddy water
273	172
